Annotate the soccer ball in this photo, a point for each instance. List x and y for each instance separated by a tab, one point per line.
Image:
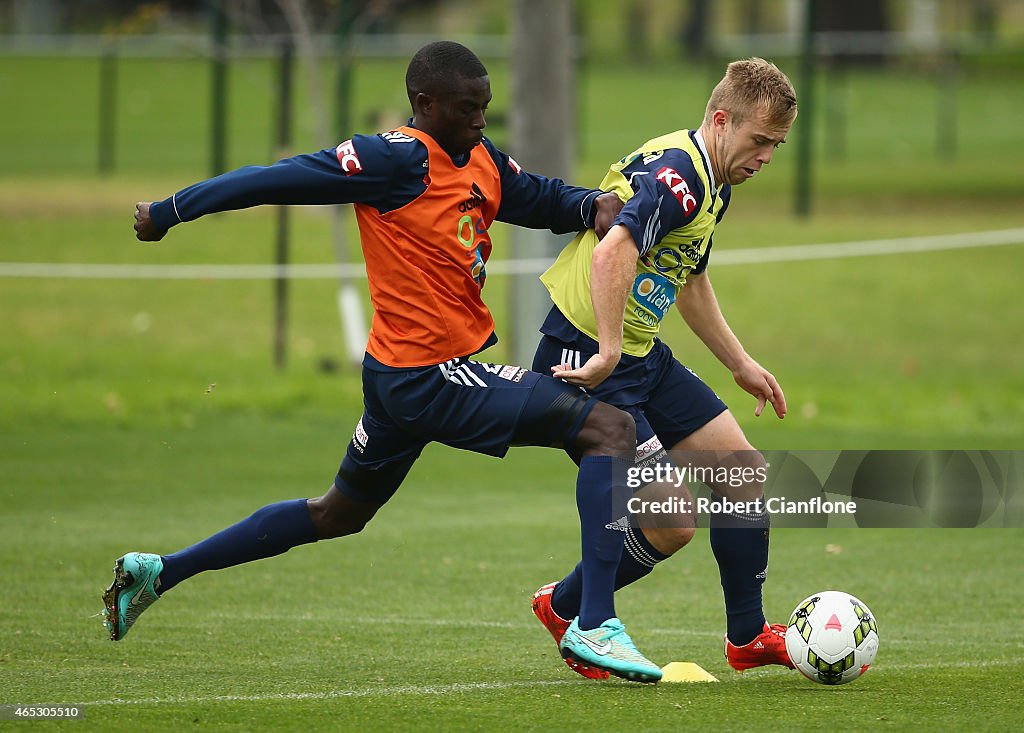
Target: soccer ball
832	638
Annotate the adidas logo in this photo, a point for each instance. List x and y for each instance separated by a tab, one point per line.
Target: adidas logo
759	645
476	198
621	524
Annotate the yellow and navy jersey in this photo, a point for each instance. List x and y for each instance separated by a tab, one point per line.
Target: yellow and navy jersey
671	207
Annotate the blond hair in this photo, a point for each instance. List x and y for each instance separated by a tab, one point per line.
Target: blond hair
753	85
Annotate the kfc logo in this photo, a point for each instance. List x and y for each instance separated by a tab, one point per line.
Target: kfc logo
348	159
679	188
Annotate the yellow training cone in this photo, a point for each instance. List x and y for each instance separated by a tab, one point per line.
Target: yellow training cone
685	672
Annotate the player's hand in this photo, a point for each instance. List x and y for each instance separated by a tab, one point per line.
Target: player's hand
607	207
759	382
145	231
591	374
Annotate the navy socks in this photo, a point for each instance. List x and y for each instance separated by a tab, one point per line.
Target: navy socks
740	545
602	545
637	561
269	531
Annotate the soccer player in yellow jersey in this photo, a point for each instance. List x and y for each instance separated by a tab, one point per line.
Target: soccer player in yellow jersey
610	296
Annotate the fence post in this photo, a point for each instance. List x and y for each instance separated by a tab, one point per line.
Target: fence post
218	88
946	101
343	82
804	163
350	300
835	110
284	139
107	141
540	122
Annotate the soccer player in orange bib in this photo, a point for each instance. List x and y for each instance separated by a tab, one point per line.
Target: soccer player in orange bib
425	196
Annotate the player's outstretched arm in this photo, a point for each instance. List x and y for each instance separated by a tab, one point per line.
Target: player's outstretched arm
538	202
699	307
360	169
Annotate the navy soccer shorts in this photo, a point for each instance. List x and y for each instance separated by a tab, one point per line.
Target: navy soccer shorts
485	408
667	400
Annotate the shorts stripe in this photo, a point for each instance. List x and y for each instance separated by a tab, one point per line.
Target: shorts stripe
461	374
571	357
472	377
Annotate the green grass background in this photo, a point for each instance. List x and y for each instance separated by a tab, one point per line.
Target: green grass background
147	415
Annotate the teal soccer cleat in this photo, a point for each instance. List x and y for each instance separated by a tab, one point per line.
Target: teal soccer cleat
610	648
132	592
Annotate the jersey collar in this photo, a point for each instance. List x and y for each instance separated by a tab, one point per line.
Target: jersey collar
458	160
699	140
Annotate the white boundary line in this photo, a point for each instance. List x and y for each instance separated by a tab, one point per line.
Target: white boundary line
458	687
534	266
323	618
384	691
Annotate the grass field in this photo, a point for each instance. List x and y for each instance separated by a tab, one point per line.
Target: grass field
146	415
423	621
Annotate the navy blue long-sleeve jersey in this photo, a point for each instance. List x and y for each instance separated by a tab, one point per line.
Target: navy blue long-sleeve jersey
391	175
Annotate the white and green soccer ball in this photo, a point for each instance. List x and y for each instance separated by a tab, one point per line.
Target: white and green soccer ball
832	637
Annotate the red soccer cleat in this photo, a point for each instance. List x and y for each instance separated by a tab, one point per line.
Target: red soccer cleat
557	625
769	647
